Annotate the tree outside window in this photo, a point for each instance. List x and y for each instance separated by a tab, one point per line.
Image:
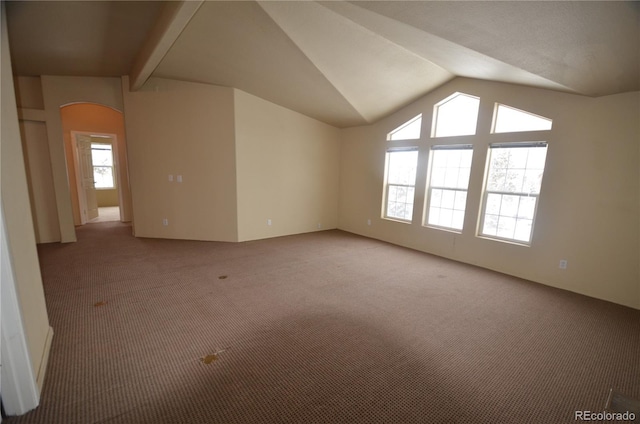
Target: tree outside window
103	169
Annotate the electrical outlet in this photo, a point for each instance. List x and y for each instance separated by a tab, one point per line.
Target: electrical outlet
368	222
563	264
269	222
179	178
319	225
170	177
165	222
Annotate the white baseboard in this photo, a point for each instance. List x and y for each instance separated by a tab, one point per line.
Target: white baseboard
45	359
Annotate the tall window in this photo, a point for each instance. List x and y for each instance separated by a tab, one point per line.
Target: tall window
448	183
512	189
102	158
400	183
456	115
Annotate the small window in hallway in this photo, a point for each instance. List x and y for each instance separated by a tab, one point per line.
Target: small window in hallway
103	172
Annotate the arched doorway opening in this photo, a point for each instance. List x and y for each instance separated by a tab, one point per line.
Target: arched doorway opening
96	157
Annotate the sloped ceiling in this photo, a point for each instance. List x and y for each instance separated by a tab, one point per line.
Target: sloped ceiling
344	63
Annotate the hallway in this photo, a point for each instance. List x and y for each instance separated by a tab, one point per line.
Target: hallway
107	214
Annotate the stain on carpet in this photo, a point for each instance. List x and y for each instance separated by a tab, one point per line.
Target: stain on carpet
208	359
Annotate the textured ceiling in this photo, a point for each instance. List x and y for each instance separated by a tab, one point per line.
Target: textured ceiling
590	47
344	63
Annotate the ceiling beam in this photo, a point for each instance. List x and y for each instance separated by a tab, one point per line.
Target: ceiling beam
174	17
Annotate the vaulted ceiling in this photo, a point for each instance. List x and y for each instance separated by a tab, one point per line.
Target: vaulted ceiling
344	63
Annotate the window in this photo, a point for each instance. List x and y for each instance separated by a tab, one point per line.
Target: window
102	158
512	189
509	119
448	183
400	183
410	130
456	115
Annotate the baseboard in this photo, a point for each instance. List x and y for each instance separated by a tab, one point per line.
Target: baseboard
45	359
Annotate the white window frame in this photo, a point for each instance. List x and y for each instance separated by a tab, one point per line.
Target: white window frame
112	166
387	185
486	192
430	187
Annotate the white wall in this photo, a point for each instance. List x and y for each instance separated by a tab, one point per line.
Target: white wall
19	223
181	128
40	179
287	170
243	160
589	202
35	144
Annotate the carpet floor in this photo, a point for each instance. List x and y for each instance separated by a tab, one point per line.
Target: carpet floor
326	327
107	213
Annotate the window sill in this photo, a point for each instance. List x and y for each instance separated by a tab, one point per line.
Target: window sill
449	230
398	220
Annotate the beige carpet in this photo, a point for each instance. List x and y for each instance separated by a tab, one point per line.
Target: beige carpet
326	327
107	214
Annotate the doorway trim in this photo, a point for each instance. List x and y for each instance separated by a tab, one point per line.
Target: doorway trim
20	392
113	140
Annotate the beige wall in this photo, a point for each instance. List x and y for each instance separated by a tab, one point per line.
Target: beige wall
58	92
93	118
35	145
588	207
17	214
287	170
243	160
107	197
179	128
29	92
39	175
82	117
